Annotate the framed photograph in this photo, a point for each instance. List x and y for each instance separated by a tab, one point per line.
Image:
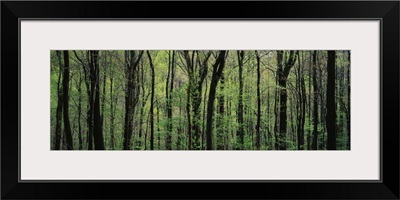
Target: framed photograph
300	98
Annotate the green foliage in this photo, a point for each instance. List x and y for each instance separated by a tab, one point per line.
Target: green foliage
225	125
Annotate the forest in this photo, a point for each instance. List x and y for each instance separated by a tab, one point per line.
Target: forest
200	99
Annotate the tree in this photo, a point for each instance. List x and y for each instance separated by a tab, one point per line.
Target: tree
200	100
59	105
240	132
169	89
330	102
315	102
218	67
258	136
202	69
284	66
67	126
132	59
348	101
151	114
95	88
301	103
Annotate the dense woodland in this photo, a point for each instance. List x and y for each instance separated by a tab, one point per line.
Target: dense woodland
200	100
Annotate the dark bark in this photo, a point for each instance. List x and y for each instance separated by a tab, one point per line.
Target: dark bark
218	67
258	135
276	112
112	110
204	119
240	132
284	66
330	102
95	85
348	101
196	95
59	105
316	94
309	143
151	102
103	100
301	105
158	127
143	104
87	76
67	126
80	111
169	89
132	93
189	65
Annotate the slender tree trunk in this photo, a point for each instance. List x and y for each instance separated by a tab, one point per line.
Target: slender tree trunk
97	123
196	94
112	109
276	112
301	105
143	104
178	141
151	102
309	143
316	94
322	108
80	111
132	93
240	132
204	118
217	72
283	73
330	102
283	100
169	89
258	135
89	89
158	127
192	102
269	144
103	100
59	105
67	126
348	103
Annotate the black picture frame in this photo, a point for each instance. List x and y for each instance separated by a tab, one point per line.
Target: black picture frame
13	11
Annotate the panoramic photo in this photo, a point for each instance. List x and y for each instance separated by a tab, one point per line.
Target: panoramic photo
200	100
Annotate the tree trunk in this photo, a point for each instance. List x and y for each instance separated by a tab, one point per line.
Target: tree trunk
132	93
158	127
97	123
112	109
103	100
258	136
59	105
204	119
169	88
348	103
283	73
309	143
330	102
217	72
316	94
301	105
240	132
80	111
151	102
67	126
196	94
